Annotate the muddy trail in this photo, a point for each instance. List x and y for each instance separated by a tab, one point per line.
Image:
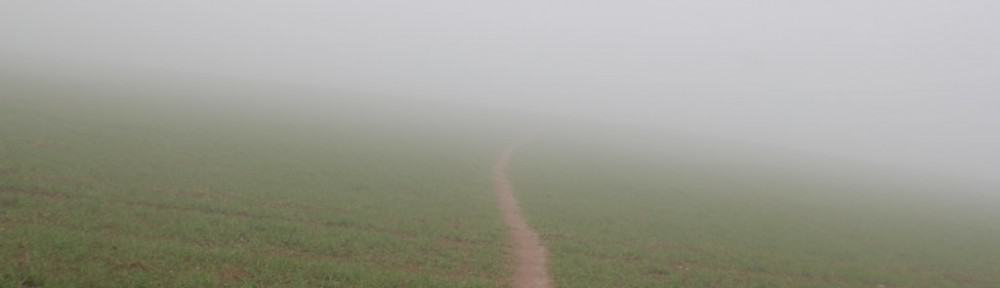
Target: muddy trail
529	256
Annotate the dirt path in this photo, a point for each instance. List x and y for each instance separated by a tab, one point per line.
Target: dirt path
530	256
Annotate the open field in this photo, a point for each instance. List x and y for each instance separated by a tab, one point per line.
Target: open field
500	144
100	187
117	191
622	210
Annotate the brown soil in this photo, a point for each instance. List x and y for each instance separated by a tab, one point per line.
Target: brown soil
530	256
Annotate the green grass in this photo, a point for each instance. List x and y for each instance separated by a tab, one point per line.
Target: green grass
625	211
163	185
99	189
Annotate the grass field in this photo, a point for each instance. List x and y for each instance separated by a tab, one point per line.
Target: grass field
133	186
623	210
99	189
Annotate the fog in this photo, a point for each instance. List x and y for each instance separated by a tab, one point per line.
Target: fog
911	85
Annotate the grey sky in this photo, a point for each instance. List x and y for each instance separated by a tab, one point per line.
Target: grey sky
912	83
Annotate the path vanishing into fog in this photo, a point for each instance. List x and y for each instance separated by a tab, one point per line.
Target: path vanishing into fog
530	256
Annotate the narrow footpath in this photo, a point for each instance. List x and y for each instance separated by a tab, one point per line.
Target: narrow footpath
530	257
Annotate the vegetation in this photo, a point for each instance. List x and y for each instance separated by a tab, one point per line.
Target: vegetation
628	211
103	189
106	187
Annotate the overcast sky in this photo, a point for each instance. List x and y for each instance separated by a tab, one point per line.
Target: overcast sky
911	83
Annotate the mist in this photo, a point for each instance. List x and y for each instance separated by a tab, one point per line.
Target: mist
907	85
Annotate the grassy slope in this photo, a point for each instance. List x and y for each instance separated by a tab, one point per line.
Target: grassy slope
104	189
614	213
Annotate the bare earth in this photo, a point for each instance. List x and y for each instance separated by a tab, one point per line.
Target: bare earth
530	256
